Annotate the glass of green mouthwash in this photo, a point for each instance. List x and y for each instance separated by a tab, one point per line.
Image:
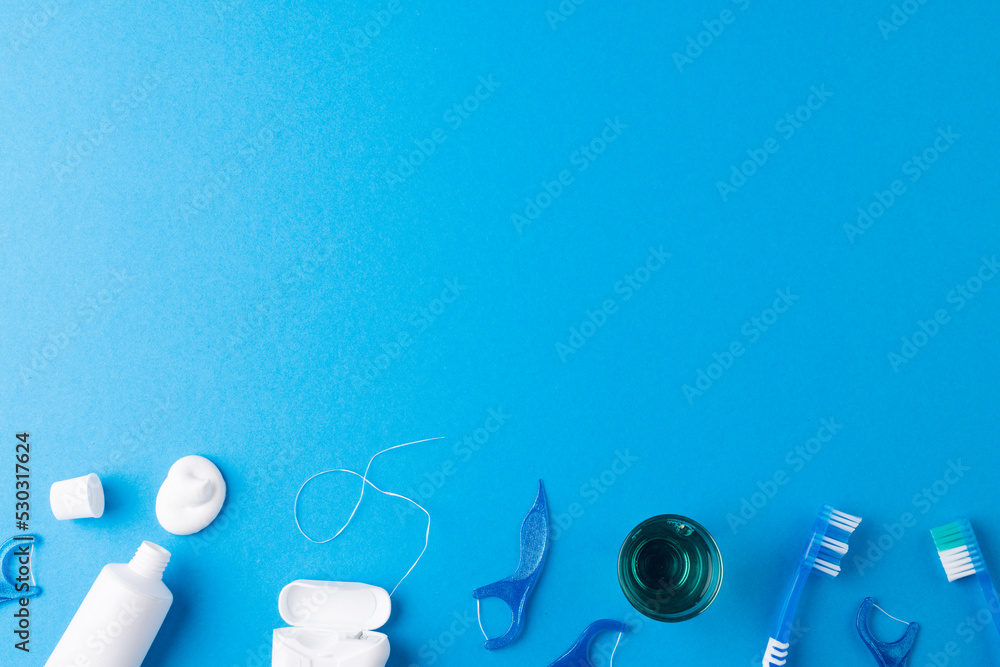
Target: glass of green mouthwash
670	568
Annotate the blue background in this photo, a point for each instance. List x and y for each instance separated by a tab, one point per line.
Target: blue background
231	162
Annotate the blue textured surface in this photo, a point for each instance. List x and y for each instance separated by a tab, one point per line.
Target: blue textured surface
516	589
217	240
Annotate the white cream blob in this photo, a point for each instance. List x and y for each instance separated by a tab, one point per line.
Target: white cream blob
191	497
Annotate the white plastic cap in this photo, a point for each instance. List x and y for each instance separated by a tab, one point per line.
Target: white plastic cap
337	605
78	498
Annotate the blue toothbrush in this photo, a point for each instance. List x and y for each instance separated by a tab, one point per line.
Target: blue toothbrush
961	556
828	545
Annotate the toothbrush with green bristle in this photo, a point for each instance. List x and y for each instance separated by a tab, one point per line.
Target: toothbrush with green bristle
961	556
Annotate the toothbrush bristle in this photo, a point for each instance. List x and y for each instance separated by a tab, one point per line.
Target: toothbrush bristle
958	549
833	530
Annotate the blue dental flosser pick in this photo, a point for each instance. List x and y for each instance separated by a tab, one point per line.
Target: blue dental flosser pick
517	588
579	654
887	655
8	587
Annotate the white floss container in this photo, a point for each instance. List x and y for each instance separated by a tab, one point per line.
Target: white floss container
332	625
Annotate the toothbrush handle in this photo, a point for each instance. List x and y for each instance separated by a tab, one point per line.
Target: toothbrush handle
783	630
990	591
777	646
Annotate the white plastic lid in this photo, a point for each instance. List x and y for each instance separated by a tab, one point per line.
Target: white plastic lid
77	498
334	605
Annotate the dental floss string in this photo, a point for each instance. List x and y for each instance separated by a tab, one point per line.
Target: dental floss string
479	615
367	482
890	615
611	659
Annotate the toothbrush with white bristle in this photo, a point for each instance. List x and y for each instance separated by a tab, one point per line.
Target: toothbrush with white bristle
961	556
828	546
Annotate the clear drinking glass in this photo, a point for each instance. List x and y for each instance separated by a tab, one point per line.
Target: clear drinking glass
670	568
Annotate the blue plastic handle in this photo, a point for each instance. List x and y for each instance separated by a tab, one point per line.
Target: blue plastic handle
887	655
990	591
579	655
516	589
8	586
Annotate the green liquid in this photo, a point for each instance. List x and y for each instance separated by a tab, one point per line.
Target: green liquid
670	568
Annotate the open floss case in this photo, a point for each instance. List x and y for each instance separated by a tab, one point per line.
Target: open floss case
333	625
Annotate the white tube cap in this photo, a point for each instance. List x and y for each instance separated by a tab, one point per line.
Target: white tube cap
77	498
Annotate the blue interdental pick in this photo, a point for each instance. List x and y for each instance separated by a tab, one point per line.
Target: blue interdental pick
16	548
516	589
579	655
887	655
